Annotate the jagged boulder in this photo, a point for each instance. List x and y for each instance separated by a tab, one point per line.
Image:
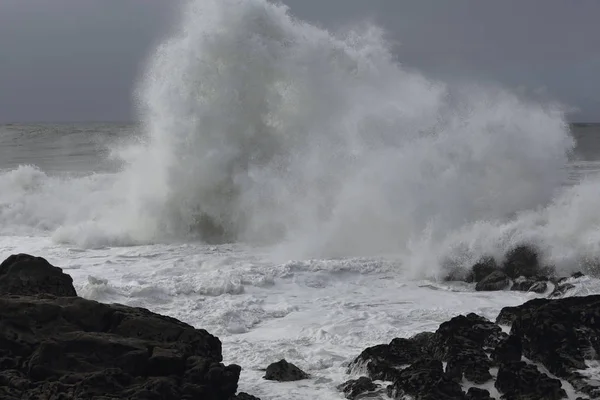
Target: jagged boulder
425	380
56	345
462	342
244	396
481	269
283	371
357	388
478	394
521	261
497	280
23	274
557	334
508	350
381	361
521	267
519	380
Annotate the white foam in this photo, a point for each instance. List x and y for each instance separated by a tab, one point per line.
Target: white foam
317	314
323	145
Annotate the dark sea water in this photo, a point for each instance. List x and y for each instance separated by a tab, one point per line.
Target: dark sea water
58	148
84	148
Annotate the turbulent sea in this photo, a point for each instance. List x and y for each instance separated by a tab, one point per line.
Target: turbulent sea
299	193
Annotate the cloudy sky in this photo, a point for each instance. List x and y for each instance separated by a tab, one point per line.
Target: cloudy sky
78	60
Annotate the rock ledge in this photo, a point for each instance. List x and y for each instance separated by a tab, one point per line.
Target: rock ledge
55	345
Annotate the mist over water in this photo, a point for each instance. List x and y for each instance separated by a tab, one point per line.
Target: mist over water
275	130
263	129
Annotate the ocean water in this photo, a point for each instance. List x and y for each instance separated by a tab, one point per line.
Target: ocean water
300	194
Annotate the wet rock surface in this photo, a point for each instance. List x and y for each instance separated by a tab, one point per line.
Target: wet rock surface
23	274
497	280
283	371
55	345
519	380
478	394
424	379
357	388
520	270
551	342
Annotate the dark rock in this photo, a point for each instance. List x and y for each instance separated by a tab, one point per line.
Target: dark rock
382	361
461	343
425	380
586	385
536	284
522	284
577	275
244	396
283	371
521	261
509	314
23	274
508	350
558	334
562	286
539	287
561	289
481	269
519	380
69	348
561	334
354	388
478	394
497	280
548	336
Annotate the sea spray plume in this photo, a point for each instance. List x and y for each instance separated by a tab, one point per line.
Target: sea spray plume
263	128
250	118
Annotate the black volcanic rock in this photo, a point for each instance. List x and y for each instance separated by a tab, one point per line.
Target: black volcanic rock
557	334
560	334
575	275
564	284
521	261
522	284
539	287
497	280
461	342
27	275
284	371
478	394
519	380
508	350
244	396
521	266
481	269
561	289
381	361
54	345
425	380
354	388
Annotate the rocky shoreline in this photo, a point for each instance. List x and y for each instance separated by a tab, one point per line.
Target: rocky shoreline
56	345
543	349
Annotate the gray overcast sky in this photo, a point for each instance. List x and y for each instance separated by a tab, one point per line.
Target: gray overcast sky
78	60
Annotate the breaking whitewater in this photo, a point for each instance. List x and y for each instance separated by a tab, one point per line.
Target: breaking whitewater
300	194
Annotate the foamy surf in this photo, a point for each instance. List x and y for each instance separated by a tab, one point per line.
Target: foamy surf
263	129
340	178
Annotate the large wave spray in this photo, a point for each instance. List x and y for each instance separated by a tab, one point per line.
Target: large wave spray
264	129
